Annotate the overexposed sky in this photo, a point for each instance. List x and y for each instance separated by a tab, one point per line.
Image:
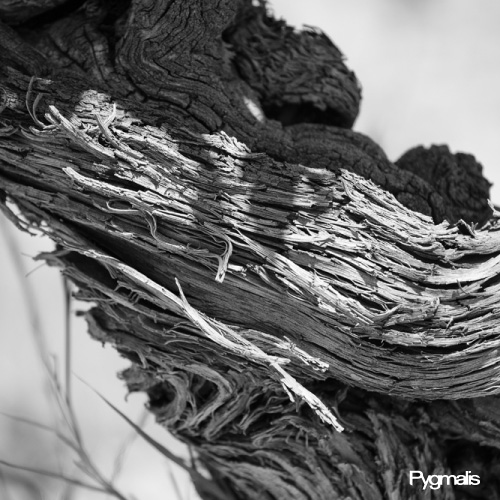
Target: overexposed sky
429	69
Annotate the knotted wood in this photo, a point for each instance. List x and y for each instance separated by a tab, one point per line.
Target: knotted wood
272	276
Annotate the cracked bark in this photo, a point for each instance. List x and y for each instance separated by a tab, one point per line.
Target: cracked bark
271	275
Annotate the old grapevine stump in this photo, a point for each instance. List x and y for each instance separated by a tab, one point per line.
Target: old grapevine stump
272	276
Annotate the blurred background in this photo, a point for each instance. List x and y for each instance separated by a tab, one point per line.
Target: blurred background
430	72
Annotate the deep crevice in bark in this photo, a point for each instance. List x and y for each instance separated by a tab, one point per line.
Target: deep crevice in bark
291	114
60	10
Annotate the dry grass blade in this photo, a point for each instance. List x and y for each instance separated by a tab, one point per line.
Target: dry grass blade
28	421
36	324
56	475
67	338
201	483
13	481
173	480
63	401
159	447
28	294
43	427
120	456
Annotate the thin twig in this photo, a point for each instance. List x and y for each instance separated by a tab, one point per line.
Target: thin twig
56	475
28	295
120	456
67	338
62	400
173	480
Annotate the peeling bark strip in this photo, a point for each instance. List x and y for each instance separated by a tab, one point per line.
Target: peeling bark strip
271	275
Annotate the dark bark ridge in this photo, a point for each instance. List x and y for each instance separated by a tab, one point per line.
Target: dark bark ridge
270	274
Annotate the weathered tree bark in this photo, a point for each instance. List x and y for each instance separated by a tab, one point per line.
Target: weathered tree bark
272	276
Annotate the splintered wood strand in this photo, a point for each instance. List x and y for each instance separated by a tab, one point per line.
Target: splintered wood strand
272	277
367	272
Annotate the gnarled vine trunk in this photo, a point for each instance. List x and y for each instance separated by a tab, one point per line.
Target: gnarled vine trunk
313	319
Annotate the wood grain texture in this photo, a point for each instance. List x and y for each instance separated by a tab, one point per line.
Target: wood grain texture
273	278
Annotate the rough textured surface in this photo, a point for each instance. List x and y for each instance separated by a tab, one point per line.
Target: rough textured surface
458	179
273	278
